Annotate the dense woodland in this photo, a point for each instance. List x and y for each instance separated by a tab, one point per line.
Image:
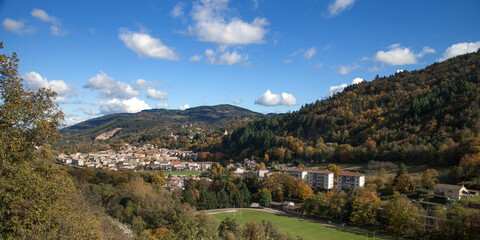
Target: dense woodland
425	116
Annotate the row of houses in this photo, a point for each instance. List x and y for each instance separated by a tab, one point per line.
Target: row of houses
323	179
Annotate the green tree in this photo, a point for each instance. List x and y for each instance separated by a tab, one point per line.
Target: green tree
365	209
265	197
429	178
402	217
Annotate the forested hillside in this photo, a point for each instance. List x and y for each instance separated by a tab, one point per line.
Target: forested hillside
425	116
153	125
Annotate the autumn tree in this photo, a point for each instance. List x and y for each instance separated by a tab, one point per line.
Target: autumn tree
365	209
335	169
429	178
402	217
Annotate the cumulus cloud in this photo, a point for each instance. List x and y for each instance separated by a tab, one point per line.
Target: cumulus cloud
271	99
459	49
342	69
57	31
56	28
336	89
42	15
146	46
211	25
195	58
357	81
156	95
141	84
225	58
184	107
88	112
17	27
34	80
398	55
162	105
108	88
309	53
238	101
177	11
115	105
69	121
339	6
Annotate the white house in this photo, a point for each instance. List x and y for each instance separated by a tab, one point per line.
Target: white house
350	180
320	179
450	191
297	173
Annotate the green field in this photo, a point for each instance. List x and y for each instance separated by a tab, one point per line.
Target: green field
294	226
182	173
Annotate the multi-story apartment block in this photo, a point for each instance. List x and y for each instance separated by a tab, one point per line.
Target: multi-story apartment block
320	179
297	173
350	180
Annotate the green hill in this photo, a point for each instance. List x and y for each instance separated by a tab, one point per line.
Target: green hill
157	123
430	115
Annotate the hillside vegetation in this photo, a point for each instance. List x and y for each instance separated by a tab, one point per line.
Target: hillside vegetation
425	116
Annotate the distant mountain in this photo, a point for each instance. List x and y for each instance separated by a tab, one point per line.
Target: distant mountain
429	115
156	123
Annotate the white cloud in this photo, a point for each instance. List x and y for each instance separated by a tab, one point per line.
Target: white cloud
341	87
108	88
35	81
88	111
426	50
195	58
459	49
398	55
339	6
357	80
69	121
55	30
146	46
336	89
271	99
309	53
227	58
162	105
318	65
400	71
156	95
141	84
342	69
184	107
115	105
17	27
61	100
238	101
210	25
177	11
42	15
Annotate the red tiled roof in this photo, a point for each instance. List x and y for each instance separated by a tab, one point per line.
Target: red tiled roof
321	171
294	170
351	174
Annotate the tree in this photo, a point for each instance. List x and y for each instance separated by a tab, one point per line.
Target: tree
365	209
429	178
28	118
335	169
229	229
265	197
266	158
402	217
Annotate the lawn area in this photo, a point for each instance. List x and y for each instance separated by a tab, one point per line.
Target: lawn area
293	226
474	199
182	173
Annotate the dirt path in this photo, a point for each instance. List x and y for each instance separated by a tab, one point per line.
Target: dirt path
274	211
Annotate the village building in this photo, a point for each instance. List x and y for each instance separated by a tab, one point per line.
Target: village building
297	173
350	180
320	179
451	191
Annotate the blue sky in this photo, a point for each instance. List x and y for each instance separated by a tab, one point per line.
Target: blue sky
268	56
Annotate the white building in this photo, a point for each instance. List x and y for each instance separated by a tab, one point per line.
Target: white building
320	179
262	172
297	173
350	180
